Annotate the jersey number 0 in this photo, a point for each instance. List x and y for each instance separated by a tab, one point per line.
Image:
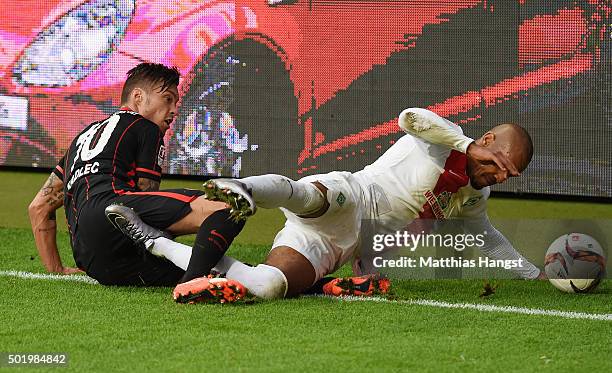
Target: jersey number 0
102	131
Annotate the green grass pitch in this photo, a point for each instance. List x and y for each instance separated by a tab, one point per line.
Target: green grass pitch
126	329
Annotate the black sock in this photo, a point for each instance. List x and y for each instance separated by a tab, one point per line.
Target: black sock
214	238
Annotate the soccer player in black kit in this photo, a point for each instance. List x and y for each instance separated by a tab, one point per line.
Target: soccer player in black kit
116	162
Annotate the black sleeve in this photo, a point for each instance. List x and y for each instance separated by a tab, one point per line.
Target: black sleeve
150	151
59	169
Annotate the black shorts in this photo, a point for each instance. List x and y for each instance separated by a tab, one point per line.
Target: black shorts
105	254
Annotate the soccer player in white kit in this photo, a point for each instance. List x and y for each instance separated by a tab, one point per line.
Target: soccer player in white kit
324	212
432	172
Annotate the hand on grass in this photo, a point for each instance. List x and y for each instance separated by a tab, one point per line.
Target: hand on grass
542	276
70	271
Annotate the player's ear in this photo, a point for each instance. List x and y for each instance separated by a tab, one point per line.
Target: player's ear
487	139
138	96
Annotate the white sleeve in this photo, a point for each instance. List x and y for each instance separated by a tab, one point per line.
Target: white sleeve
431	127
496	246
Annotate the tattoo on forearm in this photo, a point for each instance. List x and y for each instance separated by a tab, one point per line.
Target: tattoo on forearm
52	215
56	199
48	187
53	191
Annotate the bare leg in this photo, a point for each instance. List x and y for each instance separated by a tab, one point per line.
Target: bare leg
285	273
297	269
201	208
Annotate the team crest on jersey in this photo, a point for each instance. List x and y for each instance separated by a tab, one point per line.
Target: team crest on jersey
472	201
161	155
443	199
341	199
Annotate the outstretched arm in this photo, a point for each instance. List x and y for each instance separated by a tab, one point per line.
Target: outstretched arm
496	246
42	211
434	129
431	127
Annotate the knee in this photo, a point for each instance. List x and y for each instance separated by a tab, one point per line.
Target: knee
201	209
267	282
317	196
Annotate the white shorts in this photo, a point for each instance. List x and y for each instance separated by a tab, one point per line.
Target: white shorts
330	240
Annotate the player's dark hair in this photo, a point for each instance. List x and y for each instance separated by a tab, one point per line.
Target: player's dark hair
149	74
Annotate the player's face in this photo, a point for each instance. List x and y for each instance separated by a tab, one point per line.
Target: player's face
487	173
483	174
159	106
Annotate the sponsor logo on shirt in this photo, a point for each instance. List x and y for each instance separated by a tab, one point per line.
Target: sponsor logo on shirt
435	206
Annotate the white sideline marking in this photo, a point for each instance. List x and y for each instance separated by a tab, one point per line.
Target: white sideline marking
46	276
480	307
419	302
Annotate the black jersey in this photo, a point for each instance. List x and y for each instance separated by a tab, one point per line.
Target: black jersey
109	157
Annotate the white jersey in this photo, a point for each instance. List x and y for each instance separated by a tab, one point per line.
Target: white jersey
423	175
416	178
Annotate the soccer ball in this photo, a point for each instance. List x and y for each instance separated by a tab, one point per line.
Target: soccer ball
575	263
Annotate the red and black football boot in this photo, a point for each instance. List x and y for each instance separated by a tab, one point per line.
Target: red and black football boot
367	285
209	290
